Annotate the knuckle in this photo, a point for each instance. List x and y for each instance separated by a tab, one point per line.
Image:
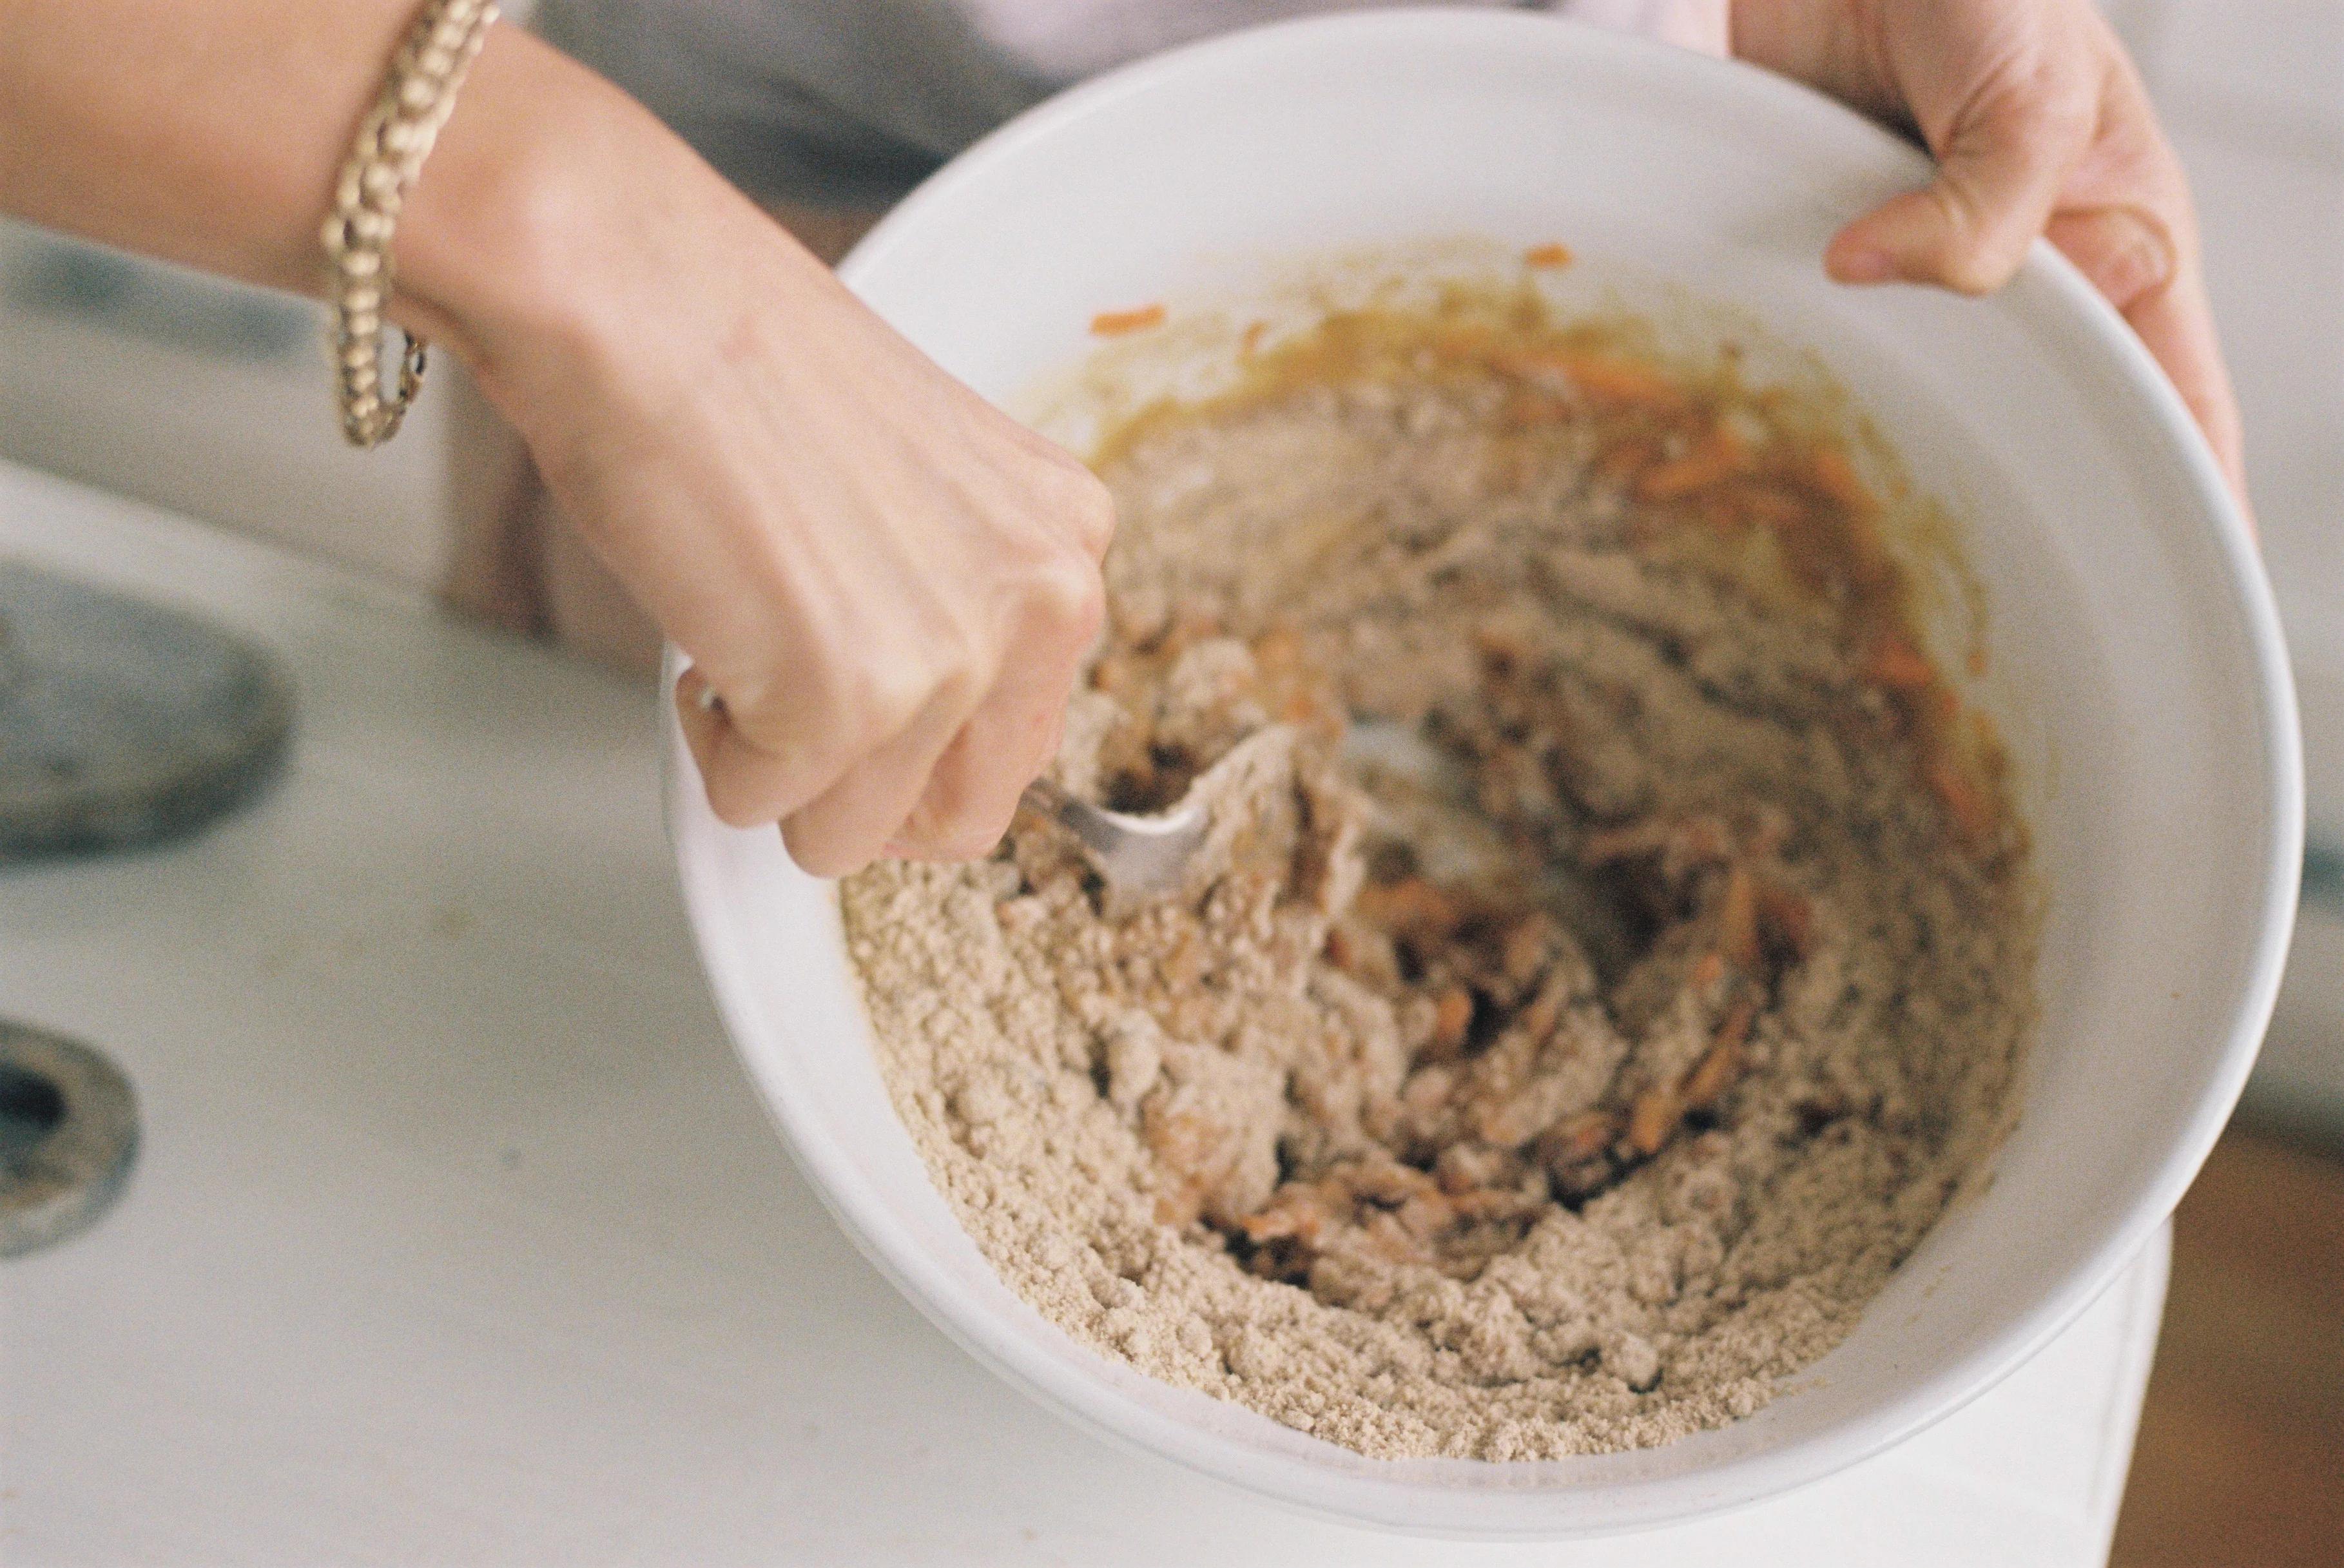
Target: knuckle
817	852
1976	269
937	847
1981	249
735	814
1090	511
1071	500
968	834
734	803
2047	100
878	696
967	805
1960	256
763	726
2059	117
1065	599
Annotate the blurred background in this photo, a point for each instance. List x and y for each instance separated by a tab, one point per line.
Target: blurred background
213	400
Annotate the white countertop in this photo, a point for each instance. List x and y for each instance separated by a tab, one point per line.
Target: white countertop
458	1236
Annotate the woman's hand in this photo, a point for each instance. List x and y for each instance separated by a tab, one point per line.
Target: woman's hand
2040	127
884	584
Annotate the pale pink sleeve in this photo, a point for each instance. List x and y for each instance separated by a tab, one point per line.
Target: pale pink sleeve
1691	24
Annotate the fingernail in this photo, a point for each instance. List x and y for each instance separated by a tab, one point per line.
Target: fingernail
1864	265
2125	256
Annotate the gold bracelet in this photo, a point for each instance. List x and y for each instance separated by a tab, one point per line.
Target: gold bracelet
392	143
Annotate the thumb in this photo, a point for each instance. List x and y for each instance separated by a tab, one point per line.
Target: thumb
2000	168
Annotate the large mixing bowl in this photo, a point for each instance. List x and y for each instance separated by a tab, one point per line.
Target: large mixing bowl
2138	673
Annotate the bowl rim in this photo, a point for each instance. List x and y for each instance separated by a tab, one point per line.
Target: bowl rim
1548	1512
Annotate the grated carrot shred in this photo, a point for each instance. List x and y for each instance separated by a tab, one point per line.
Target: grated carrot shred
1972	817
1896	664
1719	455
1833	475
1115	323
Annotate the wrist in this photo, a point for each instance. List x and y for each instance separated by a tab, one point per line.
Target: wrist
586	264
564	243
500	234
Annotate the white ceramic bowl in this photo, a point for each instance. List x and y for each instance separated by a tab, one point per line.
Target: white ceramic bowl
2139	677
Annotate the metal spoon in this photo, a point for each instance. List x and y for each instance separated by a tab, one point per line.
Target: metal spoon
1141	857
1136	856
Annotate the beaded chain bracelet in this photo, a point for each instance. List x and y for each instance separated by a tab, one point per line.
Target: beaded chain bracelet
392	142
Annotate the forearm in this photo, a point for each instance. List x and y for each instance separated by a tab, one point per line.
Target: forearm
211	135
208	134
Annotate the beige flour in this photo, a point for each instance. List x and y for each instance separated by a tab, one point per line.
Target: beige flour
1560	1097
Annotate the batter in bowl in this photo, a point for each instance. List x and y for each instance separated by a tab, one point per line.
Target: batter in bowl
1561	1079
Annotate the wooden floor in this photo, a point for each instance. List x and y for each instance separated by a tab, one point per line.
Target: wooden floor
2241	1452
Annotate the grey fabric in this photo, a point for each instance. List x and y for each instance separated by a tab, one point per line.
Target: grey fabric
850	102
